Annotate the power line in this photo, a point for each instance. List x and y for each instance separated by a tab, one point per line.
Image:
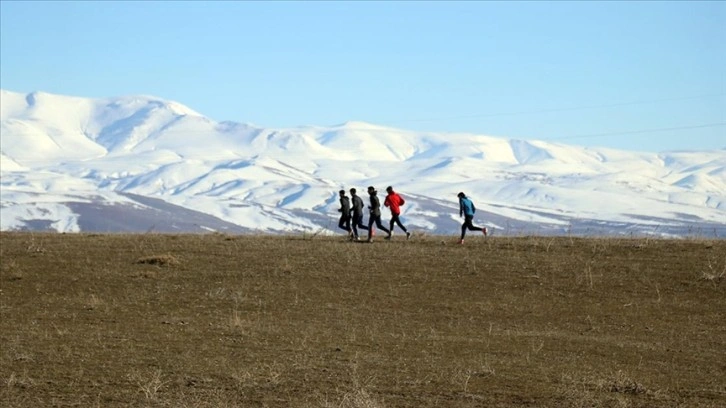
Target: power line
634	132
551	110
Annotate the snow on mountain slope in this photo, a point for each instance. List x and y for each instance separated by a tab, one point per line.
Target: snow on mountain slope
72	127
528	152
28	141
67	161
7	164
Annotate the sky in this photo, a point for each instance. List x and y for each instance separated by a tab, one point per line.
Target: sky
642	76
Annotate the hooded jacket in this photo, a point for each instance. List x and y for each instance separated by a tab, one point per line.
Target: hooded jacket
394	201
466	207
375	206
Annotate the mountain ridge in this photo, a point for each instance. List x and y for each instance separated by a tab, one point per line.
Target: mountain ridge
56	149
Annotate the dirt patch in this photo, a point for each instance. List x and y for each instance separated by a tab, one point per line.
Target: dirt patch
160	260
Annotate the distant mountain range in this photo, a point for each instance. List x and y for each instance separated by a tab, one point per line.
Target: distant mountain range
144	164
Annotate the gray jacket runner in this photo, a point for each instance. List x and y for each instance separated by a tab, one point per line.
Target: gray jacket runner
345	206
375	206
357	206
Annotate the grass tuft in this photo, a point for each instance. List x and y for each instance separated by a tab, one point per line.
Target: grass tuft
624	384
159	260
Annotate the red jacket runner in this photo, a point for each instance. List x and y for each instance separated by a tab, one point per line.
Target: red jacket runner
394	201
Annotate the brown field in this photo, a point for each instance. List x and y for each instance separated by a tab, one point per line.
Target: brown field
308	321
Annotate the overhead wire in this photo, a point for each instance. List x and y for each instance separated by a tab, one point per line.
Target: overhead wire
575	108
634	132
586	107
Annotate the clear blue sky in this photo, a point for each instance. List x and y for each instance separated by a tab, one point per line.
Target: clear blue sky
631	75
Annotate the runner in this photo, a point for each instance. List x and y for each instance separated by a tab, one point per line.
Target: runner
394	201
467	210
375	216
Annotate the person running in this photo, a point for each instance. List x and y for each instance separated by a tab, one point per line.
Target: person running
357	212
394	201
344	210
375	216
467	210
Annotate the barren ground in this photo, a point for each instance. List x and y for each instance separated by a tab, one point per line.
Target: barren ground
155	320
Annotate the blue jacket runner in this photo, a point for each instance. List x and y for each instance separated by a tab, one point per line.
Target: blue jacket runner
466	207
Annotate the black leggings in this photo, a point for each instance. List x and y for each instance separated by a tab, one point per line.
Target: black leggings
377	220
468	225
397	221
344	222
358	223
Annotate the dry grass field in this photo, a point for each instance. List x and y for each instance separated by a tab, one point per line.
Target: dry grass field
104	320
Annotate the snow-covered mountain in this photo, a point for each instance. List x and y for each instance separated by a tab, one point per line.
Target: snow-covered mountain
142	163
